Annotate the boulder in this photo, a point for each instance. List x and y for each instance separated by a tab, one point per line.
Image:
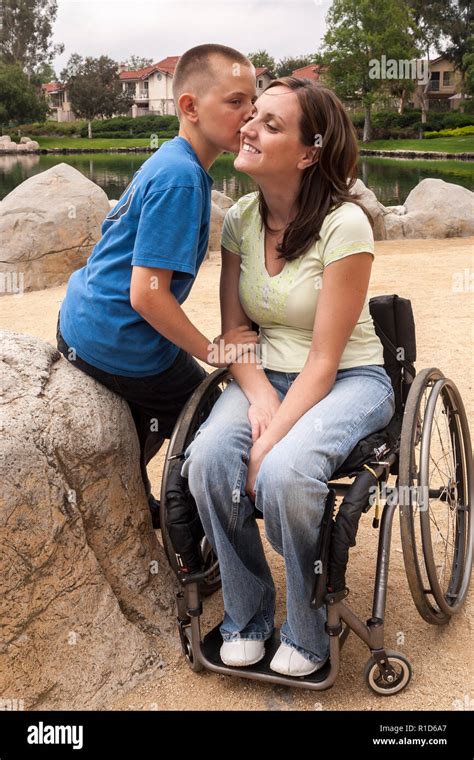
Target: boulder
32	145
400	210
51	222
5	139
373	206
221	200
217	220
25	139
86	594
434	209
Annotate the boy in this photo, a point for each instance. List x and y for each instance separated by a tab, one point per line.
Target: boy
121	320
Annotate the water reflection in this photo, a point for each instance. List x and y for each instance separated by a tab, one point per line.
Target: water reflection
390	179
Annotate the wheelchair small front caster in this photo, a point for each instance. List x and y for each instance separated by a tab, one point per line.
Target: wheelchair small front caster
390	683
188	647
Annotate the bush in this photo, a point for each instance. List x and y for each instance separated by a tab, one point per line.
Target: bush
390	125
357	119
45	128
142	126
458	132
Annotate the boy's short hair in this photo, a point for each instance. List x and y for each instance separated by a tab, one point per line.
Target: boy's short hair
195	67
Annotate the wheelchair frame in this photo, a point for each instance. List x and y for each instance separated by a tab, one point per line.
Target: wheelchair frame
386	672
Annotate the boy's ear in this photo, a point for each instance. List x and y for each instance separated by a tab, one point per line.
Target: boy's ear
187	106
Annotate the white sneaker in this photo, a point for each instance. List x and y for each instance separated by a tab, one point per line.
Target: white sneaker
289	662
242	652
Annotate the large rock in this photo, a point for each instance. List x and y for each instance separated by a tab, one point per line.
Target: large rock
435	209
219	205
373	206
86	594
221	199
50	224
217	220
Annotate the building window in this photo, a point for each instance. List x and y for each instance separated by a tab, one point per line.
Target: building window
434	83
447	78
259	84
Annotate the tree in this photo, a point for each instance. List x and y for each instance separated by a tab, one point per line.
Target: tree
44	73
94	88
457	26
27	31
287	66
468	62
262	58
427	22
135	62
19	101
358	36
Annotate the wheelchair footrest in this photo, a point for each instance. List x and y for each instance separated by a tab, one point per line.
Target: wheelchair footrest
211	649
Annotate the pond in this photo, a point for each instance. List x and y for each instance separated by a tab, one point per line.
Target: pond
390	179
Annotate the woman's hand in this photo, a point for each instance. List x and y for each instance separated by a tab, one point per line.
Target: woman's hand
258	453
261	412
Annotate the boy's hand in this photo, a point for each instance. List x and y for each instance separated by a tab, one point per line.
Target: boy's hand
231	345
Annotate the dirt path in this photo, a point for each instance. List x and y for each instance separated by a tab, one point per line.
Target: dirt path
436	276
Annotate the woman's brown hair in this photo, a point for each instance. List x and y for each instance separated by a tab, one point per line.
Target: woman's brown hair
327	183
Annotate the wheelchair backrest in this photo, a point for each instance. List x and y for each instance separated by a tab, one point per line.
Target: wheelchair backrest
395	327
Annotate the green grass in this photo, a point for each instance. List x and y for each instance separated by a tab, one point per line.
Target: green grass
463	144
84	143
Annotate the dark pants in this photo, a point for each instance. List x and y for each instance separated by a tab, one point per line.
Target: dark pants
155	401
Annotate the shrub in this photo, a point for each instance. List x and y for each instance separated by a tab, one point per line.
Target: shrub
457	132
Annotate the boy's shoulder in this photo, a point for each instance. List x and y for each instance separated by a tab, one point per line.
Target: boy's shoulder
173	165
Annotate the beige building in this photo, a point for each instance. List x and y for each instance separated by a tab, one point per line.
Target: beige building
444	87
151	87
57	98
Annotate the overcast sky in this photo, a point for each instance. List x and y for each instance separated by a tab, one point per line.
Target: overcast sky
158	28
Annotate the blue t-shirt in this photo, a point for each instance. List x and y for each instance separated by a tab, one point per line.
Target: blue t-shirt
162	220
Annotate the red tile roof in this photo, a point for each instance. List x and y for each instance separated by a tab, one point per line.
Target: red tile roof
166	66
312	71
52	87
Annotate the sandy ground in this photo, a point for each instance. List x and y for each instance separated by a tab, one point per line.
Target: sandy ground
436	275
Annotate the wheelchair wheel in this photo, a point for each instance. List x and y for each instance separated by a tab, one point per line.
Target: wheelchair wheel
375	680
435	496
192	416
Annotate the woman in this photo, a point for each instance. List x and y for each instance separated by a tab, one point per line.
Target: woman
296	259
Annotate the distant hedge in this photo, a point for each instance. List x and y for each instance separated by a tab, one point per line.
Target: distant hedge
391	125
119	126
457	132
142	126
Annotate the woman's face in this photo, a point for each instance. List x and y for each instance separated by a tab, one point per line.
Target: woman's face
270	143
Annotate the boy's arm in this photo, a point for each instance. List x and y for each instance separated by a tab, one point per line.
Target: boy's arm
159	307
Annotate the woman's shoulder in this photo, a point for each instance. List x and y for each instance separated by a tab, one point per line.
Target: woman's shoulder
245	205
348	210
348	216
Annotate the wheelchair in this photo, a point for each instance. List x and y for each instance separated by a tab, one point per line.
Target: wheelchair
426	447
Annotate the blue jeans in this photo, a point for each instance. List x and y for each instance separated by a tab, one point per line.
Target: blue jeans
290	489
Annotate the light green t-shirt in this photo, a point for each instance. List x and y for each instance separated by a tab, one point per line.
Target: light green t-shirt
284	306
